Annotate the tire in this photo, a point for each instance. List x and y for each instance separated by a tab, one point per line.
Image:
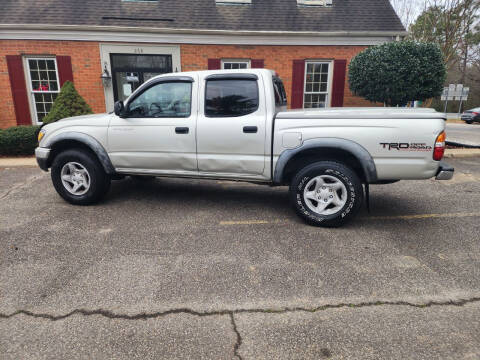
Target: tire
80	167
469	122
329	181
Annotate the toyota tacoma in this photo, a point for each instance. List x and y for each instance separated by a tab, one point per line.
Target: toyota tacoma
233	124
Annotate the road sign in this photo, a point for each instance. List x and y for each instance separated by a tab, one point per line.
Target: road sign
455	92
458	92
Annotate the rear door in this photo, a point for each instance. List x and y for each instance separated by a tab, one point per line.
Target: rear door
231	125
157	134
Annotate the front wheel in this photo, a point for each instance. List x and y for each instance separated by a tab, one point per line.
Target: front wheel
326	194
79	178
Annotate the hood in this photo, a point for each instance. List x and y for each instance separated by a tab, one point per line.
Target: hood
84	120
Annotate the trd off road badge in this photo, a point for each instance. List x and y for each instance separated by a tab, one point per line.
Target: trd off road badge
406	146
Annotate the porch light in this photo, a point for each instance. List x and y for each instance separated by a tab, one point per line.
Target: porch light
106	77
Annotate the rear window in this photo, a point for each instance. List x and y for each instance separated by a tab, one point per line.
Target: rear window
231	97
279	90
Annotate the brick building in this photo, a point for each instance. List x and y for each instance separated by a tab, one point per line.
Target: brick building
308	42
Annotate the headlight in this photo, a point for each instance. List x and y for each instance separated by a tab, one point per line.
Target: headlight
41	134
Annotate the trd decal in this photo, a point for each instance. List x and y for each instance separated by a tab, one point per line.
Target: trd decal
406	146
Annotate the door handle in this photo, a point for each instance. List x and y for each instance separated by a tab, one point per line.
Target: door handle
181	130
250	129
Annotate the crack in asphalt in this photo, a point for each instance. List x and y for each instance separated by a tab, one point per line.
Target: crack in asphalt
231	313
237	345
30	180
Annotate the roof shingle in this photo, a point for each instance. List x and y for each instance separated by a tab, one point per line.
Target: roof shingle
261	15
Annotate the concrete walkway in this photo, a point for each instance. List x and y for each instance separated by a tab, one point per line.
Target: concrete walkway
6	162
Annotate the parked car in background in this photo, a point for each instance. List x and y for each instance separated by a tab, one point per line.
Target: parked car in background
471	116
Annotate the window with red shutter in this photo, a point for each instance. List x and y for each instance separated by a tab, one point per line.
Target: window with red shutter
19	89
257	63
298	78
338	88
214	64
43	85
65	71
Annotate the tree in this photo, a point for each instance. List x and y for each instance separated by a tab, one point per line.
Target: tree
407	10
68	103
448	23
398	72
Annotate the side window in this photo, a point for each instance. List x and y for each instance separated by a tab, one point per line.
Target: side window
280	94
231	98
171	99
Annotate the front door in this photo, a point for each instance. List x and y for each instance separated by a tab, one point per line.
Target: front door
231	126
157	133
129	71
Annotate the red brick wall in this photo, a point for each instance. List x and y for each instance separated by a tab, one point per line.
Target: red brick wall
87	65
86	71
278	58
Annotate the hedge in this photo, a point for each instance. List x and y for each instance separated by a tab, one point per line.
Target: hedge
19	140
398	72
69	103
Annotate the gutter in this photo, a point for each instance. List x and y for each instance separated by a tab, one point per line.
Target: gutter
154	30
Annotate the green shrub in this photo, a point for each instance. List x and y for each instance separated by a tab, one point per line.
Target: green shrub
68	103
19	140
398	72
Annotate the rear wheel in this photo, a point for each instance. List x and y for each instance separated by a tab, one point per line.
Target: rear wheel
79	178
469	122
326	194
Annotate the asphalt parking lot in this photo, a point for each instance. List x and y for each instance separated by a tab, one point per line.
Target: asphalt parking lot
183	269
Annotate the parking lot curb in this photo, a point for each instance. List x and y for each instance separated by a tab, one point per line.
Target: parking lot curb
7	162
462	153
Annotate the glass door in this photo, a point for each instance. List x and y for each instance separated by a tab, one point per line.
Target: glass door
129	71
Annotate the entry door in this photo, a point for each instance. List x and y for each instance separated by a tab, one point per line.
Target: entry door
129	71
158	133
231	126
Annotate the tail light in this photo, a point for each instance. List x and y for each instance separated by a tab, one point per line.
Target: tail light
475	113
439	148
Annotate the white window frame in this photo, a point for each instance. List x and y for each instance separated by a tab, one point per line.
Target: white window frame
236	61
31	92
328	98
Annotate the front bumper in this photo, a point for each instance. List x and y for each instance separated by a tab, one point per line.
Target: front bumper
42	155
445	171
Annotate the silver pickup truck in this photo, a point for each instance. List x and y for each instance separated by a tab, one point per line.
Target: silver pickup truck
234	125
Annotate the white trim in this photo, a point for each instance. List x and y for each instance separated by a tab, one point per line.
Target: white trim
236	61
328	102
107	49
31	92
185	36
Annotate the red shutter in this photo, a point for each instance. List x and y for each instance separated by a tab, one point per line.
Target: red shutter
298	83
257	63
19	89
64	67
214	64
338	88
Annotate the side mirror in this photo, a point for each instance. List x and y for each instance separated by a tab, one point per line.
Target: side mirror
119	108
